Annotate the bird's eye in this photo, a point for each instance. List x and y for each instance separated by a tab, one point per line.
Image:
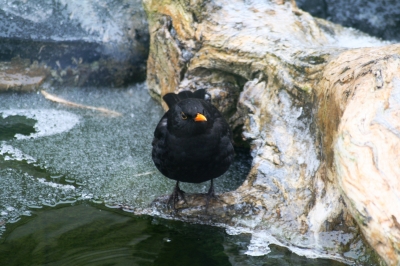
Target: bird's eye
183	116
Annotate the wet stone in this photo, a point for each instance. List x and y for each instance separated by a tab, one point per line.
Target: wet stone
20	75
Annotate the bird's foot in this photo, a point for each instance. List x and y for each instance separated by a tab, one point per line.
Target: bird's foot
176	194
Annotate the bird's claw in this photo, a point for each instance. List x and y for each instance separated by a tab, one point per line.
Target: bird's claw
211	195
176	194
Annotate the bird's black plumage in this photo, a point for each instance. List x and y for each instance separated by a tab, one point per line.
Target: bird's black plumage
192	142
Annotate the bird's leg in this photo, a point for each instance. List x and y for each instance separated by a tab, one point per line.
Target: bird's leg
210	194
175	195
181	193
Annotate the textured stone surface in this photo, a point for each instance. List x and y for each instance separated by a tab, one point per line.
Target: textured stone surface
361	89
79	43
379	18
20	75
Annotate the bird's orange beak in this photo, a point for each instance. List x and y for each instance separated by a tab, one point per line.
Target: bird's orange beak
200	118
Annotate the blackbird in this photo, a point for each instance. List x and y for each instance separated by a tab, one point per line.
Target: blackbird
192	142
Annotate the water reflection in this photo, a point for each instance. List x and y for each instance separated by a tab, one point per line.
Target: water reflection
87	234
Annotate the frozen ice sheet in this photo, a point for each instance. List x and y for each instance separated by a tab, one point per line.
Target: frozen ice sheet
81	154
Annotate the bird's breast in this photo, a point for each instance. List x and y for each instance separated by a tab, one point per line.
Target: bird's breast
193	148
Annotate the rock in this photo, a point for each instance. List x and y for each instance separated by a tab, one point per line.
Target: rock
265	63
20	75
361	90
78	43
375	17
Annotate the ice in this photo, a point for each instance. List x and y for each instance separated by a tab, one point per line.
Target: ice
262	243
92	17
49	122
352	38
14	154
55	185
61	20
376	17
79	154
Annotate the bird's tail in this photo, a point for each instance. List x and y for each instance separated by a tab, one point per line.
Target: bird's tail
171	98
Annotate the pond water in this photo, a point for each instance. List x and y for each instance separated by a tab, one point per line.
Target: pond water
64	171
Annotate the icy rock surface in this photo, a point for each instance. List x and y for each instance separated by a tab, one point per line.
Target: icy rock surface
92	21
380	18
76	38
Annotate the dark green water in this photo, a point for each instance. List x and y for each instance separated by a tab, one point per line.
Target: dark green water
90	234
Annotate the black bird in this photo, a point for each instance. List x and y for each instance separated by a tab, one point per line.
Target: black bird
192	142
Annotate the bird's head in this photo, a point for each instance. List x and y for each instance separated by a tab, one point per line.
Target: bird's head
189	117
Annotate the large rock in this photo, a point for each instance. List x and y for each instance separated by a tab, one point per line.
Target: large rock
265	64
360	114
380	18
73	42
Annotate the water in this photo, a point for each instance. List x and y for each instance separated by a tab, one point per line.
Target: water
87	234
64	171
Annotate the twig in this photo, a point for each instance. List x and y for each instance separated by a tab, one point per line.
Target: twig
57	99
